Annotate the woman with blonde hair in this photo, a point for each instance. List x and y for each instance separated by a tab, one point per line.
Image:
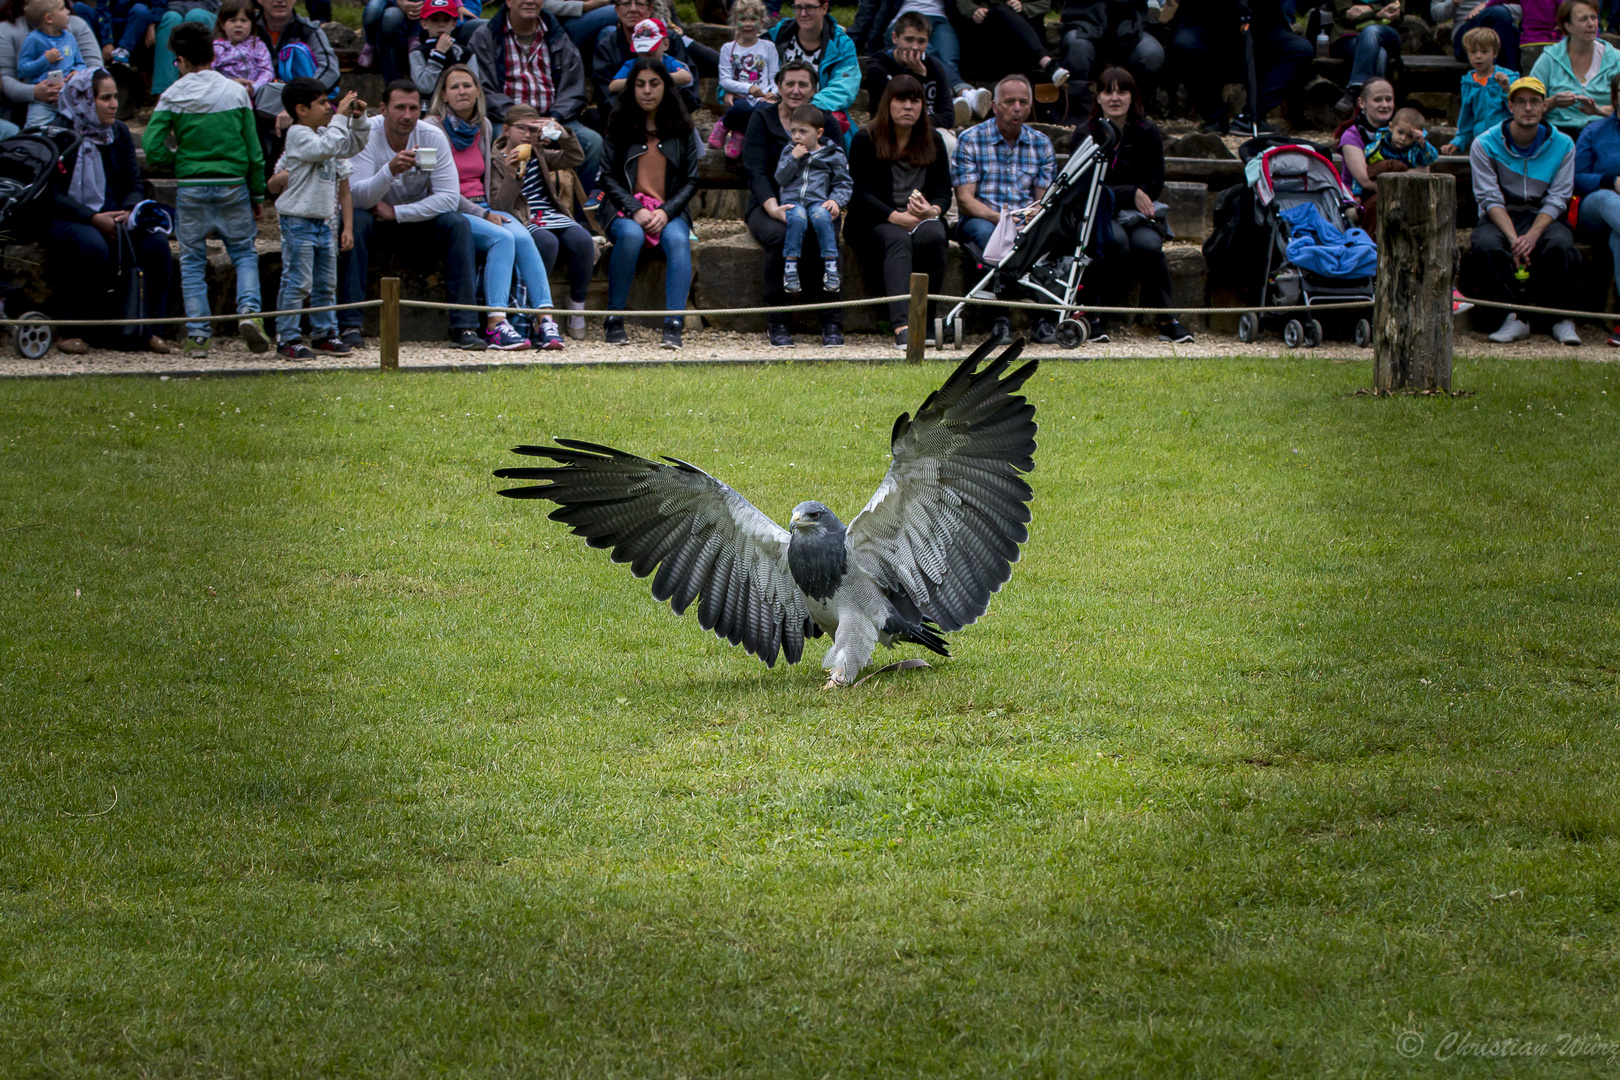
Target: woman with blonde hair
459	108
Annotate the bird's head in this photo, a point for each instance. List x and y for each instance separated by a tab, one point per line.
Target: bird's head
812	517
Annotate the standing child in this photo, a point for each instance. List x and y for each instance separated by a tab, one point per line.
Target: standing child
747	76
651	38
1405	141
816	186
239	53
48	54
1484	90
308	249
219	165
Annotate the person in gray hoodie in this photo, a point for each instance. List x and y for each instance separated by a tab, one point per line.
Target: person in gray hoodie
816	187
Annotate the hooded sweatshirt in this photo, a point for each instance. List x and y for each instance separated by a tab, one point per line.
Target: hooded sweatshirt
1534	179
311	163
216	139
1553	69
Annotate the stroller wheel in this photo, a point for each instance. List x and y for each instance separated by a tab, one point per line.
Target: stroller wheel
1313	334
32	342
1363	333
1071	333
956	336
1293	334
1248	327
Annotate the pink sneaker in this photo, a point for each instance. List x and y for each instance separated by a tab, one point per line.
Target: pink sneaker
1459	303
734	144
717	136
367	57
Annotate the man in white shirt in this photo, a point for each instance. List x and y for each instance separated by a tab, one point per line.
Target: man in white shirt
406	194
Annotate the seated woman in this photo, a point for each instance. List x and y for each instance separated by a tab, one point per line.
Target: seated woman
1366	35
1136	177
541	188
767	137
505	242
1597	180
650	160
92	196
902	191
1577	70
1375	107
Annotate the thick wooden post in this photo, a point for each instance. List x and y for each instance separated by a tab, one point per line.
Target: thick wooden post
388	338
1417	241
917	319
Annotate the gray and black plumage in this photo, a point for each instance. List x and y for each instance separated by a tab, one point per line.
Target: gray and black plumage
924	556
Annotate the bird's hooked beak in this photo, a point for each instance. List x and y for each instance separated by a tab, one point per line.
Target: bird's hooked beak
793	522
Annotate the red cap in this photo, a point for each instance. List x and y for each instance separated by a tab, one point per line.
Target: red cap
648	35
441	7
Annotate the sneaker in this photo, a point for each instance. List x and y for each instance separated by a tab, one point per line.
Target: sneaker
1060	76
832	336
1096	331
717	136
613	331
964	109
830	280
1513	329
294	350
576	327
672	334
1614	338
1563	332
549	336
353	338
121	57
506	339
790	277
1043	332
194	348
1001	332
594	199
1345	105
982	99
468	340
332	345
1459	303
1173	331
252	331
778	336
902	337
734	145
367	57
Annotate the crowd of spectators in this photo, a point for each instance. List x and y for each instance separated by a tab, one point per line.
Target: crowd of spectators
502	142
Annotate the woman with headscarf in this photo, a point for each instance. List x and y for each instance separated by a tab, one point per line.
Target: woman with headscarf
93	195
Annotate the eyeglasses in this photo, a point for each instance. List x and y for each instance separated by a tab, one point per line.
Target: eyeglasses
646	4
805	9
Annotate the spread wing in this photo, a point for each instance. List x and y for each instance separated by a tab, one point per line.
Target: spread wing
943	530
705	539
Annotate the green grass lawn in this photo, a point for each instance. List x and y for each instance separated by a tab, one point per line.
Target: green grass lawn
1294	732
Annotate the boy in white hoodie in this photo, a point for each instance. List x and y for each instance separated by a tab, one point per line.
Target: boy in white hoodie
315	140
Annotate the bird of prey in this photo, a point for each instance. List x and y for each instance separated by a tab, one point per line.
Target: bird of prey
921	559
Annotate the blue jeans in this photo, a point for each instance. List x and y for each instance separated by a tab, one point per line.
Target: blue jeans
308	276
8	129
41	115
676	244
203	210
582	30
163	70
590	143
393	44
944	46
817	217
975	231
505	247
1369	53
1601	211
371	18
1206	57
1497	18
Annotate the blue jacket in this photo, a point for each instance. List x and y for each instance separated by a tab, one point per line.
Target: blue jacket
1597	156
1318	245
1537	179
840	76
1482	106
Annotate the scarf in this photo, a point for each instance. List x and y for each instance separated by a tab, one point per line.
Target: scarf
461	132
77	102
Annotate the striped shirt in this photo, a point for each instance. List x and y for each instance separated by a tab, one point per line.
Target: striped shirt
1007	175
528	71
542	211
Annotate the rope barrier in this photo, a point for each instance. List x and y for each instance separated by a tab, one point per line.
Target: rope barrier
1593	316
173	320
1237	309
433	305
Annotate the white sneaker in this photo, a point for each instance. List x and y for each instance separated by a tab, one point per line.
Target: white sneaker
1563	332
1060	76
964	109
982	100
1512	330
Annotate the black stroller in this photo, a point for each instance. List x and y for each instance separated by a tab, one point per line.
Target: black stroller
27	167
1290	175
1052	250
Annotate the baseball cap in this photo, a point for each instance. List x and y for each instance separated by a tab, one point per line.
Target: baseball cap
648	35
441	7
1527	83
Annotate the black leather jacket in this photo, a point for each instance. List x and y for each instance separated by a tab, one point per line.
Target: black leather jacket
680	174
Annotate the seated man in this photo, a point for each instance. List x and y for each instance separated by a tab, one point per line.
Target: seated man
525	56
1097	33
412	206
1001	166
1208	44
1523	173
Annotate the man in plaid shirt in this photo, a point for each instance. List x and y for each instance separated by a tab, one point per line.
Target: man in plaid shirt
525	56
1002	165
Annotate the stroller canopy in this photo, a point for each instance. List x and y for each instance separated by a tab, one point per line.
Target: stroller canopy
1295	175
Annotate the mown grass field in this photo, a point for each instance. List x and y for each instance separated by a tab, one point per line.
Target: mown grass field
1293	735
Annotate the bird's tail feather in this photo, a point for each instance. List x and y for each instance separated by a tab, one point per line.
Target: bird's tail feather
927	636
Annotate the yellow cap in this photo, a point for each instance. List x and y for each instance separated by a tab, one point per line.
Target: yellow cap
1527	83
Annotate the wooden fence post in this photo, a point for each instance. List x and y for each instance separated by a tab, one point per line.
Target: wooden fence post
1417	241
917	319
388	343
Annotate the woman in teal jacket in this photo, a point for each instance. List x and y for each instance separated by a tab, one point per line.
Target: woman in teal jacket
813	35
1577	70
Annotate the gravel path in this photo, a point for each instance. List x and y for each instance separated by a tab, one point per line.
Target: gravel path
715	346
